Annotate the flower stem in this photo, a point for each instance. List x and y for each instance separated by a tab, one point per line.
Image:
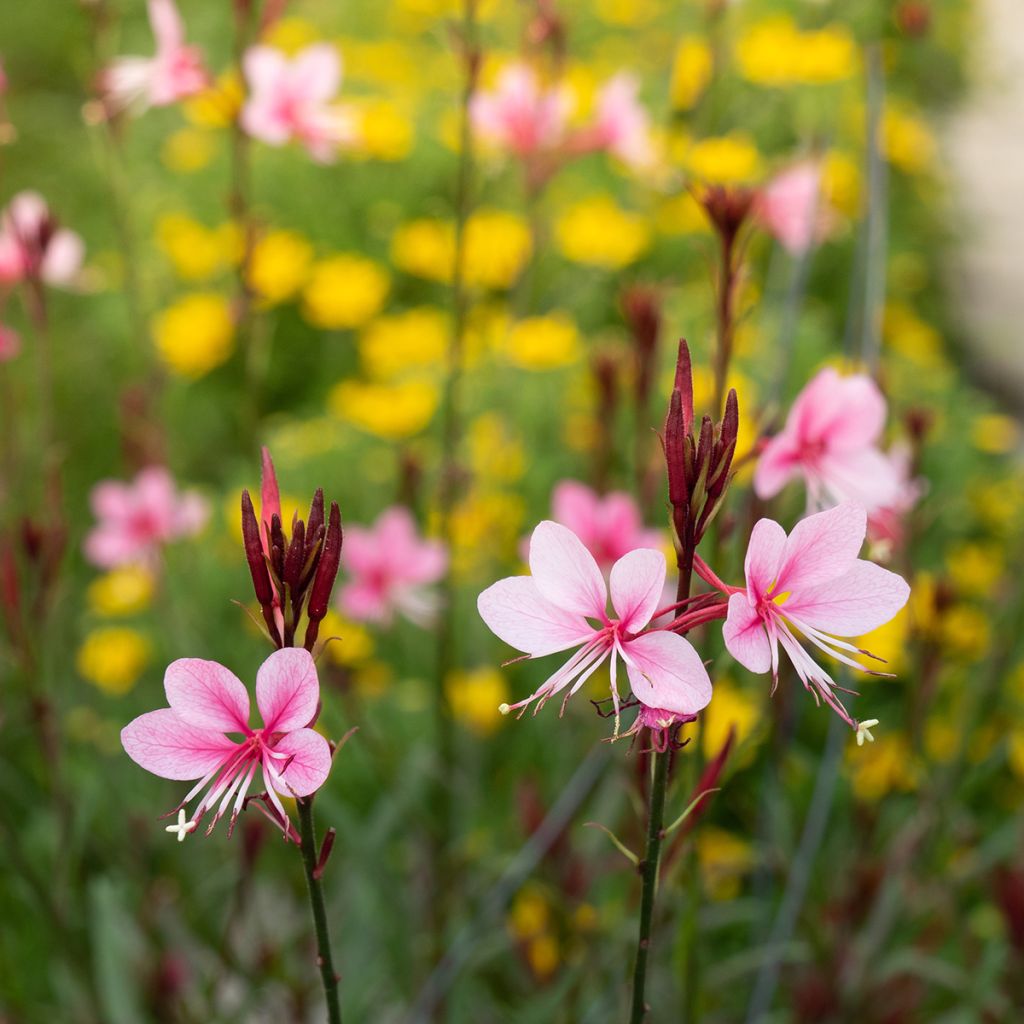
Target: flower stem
649	876
307	834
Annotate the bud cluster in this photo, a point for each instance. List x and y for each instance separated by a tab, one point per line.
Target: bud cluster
291	573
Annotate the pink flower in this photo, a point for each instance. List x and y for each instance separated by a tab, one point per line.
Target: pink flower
173	73
886	524
790	207
34	246
189	740
290	100
520	116
811	581
622	125
831	440
390	567
10	343
609	526
554	608
136	518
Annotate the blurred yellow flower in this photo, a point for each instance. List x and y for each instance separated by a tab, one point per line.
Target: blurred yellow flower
382	131
278	266
966	632
995	433
486	526
113	658
197	252
354	645
889	641
724	160
543	955
841	182
344	291
724	859
906	333
424	248
682	215
390	411
626	12
999	504
195	334
188	150
219	105
124	591
775	52
975	568
691	71
598	232
1015	751
543	342
731	707
529	914
291	35
413	340
878	768
495	454
475	696
906	140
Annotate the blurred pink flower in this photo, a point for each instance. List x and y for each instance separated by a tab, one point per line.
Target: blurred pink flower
290	100
831	440
519	115
622	125
389	567
811	581
549	611
136	518
175	72
609	526
34	246
790	207
886	524
10	343
189	740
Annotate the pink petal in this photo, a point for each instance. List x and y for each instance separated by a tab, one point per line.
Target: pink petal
778	463
108	546
365	601
745	636
666	672
821	547
863	599
362	551
764	554
63	258
270	495
565	571
316	73
287	690
575	506
207	695
111	500
163	744
865	476
637	581
168	28
516	612
310	761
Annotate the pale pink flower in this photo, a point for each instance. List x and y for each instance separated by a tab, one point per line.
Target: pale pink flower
189	740
34	246
555	608
886	524
390	569
520	115
136	518
812	582
622	125
291	100
791	207
831	440
175	72
10	343
609	526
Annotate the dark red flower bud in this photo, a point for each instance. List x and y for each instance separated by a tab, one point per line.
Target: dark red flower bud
326	571
294	560
254	553
316	519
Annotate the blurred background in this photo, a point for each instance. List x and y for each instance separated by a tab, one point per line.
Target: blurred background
225	264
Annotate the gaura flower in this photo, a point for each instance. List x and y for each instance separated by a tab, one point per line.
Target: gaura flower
33	246
791	207
389	568
831	440
173	73
136	518
290	100
520	115
811	582
562	605
886	524
191	739
622	125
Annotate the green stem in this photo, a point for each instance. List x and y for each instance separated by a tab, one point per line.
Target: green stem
324	959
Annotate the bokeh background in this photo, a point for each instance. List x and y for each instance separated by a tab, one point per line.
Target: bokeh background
234	294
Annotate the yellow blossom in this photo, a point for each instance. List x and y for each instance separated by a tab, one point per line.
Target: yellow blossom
999	504
113	658
475	696
291	35
486	525
966	632
995	433
724	160
691	71
906	140
682	215
543	342
543	955
344	291
883	766
187	150
424	248
841	182
1015	751
975	568
124	591
495	454
414	340
498	244
217	106
906	333
626	12
196	334
382	131
724	859
775	52
597	232
197	252
731	708
889	641
354	643
529	914
278	266
390	411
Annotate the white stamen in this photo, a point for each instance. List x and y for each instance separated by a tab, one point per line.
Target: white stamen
183	828
864	731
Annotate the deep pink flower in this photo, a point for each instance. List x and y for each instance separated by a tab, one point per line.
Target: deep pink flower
812	582
291	100
175	72
10	343
831	440
520	115
791	208
136	518
622	125
34	246
191	738
555	608
389	568
609	526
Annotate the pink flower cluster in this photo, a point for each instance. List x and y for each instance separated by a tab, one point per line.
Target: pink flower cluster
33	245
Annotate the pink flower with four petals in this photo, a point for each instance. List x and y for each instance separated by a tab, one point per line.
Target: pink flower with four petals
191	739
